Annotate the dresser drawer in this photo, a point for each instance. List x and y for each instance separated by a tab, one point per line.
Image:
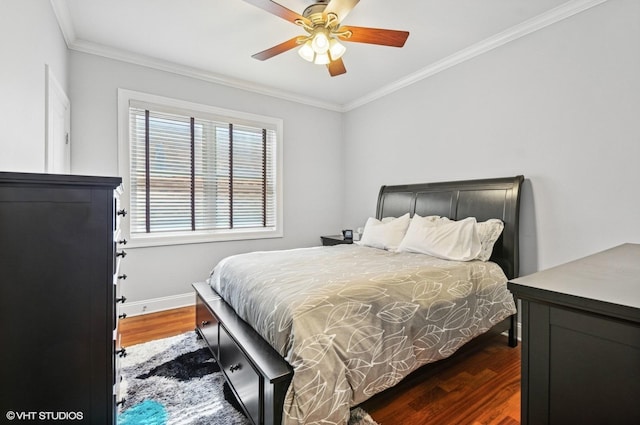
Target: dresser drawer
118	254
207	325
117	359
118	211
118	300
244	379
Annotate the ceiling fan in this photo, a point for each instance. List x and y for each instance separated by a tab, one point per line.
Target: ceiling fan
322	22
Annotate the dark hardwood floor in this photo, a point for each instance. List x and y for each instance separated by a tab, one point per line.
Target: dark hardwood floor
149	327
479	385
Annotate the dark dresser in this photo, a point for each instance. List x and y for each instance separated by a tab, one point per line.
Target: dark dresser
581	340
59	259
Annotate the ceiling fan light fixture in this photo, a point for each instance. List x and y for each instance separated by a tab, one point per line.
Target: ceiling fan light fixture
320	42
322	59
306	51
336	49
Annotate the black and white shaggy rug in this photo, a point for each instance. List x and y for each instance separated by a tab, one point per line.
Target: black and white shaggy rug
175	381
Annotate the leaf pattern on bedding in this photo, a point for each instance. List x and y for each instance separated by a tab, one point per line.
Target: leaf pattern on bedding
385	381
398	312
486	288
432	275
311	352
392	279
353	321
425	291
307	305
364	294
428	337
341	396
470	331
347	314
451	346
457	318
284	321
498	316
364	339
482	309
389	347
357	370
440	310
310	397
460	289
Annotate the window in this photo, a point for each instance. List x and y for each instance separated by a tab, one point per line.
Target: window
194	173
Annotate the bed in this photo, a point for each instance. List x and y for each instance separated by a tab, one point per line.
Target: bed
304	335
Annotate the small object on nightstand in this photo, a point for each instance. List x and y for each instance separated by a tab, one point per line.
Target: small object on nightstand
335	240
347	234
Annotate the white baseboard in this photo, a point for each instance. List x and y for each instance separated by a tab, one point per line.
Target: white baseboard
154	305
518	333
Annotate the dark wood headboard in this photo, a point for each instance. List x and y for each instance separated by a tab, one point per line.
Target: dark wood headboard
482	199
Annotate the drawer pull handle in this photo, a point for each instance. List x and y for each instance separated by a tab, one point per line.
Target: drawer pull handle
123	316
205	323
122	352
122	299
122	212
235	367
121	254
122	276
122	241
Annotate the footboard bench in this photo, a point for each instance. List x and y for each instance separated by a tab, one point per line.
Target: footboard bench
256	373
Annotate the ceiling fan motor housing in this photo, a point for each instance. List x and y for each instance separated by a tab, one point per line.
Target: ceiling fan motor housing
314	13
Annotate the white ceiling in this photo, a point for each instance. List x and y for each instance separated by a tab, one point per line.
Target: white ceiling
214	40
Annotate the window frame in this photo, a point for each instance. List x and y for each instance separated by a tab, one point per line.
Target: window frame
125	98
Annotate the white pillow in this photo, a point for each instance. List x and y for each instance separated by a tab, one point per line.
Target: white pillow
488	231
451	240
386	234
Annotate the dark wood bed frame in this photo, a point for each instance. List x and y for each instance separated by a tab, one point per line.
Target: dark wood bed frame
259	376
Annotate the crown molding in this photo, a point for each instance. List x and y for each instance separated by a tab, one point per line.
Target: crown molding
61	10
167	66
543	20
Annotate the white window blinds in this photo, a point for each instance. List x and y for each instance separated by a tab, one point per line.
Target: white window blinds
190	173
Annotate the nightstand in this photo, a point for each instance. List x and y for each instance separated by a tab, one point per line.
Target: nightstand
581	340
335	240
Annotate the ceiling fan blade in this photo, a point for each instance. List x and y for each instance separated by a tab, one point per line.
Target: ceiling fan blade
336	67
380	36
341	8
278	10
276	50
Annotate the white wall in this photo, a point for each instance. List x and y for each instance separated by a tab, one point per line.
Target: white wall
313	171
561	106
29	39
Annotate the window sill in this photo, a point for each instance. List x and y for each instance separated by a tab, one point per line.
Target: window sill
144	241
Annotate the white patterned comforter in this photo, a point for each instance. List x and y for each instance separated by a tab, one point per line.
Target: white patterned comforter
353	321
